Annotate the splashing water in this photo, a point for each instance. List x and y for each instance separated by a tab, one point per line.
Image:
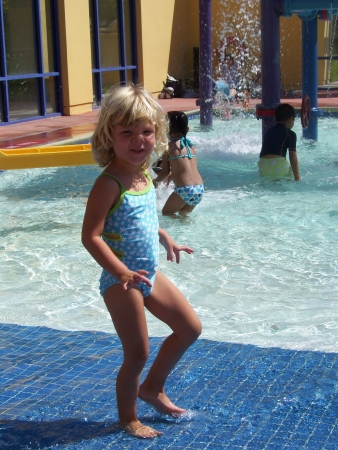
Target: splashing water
239	36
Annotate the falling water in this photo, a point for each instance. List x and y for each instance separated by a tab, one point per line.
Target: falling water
238	43
332	39
244	27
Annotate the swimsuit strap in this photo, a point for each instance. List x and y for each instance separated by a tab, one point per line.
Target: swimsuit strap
122	188
124	191
185	142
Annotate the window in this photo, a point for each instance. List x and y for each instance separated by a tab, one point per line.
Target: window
29	79
113	32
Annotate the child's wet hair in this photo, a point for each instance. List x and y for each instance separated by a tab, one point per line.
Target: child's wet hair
284	111
178	122
125	106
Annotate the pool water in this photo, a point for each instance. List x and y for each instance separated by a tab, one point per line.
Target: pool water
264	271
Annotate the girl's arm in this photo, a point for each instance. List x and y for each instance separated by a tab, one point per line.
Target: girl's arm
103	196
173	249
165	169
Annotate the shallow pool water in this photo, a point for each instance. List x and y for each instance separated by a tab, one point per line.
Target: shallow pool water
265	265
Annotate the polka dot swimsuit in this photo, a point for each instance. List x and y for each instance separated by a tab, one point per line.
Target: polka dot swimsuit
131	231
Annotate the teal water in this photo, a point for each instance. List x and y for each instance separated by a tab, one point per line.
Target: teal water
265	265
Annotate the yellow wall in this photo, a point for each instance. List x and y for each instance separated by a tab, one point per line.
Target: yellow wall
167	31
182	40
323	50
291	52
155	21
75	48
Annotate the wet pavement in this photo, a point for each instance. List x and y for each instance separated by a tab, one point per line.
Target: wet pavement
59	129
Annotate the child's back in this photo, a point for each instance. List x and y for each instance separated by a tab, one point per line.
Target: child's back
183	162
277	141
180	160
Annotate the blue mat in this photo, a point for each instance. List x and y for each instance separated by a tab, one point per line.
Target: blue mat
58	390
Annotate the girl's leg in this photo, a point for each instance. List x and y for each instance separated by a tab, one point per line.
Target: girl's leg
175	204
126	309
168	304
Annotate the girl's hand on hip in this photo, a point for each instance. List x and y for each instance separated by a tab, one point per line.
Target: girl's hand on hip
131	279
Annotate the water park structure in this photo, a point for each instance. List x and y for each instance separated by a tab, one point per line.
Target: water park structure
271	11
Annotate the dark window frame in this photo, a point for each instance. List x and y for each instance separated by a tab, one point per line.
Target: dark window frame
40	75
123	68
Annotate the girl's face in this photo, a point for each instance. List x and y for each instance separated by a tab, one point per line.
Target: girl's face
133	144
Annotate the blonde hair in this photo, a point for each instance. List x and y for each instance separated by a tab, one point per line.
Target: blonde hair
125	106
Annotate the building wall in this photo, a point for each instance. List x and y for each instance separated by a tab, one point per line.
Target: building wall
154	29
182	40
323	50
291	52
75	48
167	32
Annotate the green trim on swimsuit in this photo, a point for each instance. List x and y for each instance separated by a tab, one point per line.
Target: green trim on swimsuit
112	236
124	191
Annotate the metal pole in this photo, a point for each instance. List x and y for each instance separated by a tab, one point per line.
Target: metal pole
270	51
310	74
205	76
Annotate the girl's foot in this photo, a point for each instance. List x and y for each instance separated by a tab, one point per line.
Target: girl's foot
160	402
138	430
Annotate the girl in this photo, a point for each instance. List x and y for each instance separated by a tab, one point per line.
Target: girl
121	232
180	162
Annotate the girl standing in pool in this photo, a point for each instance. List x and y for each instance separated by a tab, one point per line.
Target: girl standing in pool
121	232
180	161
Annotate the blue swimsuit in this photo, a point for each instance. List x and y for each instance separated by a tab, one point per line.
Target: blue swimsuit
131	231
192	195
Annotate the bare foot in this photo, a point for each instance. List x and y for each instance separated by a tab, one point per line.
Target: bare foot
138	430
160	402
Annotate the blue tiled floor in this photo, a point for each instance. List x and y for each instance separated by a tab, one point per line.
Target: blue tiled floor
57	390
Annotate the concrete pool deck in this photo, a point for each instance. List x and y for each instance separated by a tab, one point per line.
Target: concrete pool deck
59	129
58	387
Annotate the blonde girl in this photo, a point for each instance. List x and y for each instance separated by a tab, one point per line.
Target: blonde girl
121	232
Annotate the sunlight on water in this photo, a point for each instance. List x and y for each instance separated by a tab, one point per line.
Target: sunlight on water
265	265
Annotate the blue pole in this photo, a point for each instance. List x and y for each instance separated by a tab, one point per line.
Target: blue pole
270	51
310	74
206	97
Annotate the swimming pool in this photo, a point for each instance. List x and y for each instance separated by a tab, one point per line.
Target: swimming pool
264	271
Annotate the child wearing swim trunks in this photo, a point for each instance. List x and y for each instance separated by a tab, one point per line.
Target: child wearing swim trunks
121	232
277	141
180	160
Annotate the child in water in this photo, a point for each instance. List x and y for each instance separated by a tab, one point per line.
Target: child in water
121	232
180	161
277	141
